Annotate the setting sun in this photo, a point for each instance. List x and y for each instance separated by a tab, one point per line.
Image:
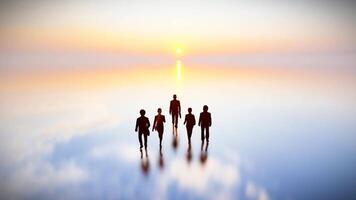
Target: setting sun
178	50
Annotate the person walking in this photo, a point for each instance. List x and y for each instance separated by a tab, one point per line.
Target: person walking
174	110
205	123
142	126
189	121
158	125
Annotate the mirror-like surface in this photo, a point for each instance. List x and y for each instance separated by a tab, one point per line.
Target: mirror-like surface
277	133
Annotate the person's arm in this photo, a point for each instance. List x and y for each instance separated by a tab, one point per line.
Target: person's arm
199	120
170	108
154	123
185	119
164	119
136	125
209	119
148	123
180	116
193	120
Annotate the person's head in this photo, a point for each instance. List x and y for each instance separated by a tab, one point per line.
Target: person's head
174	96
205	108
142	112
189	110
159	110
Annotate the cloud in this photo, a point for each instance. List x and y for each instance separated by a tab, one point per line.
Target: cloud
255	192
40	176
219	178
193	178
120	151
198	177
33	129
29	132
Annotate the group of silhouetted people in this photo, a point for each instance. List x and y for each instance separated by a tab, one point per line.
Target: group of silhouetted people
143	123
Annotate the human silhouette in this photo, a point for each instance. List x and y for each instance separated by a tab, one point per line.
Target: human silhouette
175	139
189	154
145	163
174	110
161	159
203	153
158	125
189	121
142	125
205	123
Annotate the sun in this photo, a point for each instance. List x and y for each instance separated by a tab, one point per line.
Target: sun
178	50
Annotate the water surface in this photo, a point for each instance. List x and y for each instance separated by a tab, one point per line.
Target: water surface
278	133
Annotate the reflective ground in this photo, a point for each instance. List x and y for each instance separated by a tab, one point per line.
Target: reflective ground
278	133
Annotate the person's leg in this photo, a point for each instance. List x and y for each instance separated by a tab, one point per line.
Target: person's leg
190	130
202	134
160	135
177	120
207	134
188	133
140	139
145	138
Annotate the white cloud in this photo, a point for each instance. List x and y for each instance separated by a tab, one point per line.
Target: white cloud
201	179
115	150
251	190
255	192
32	129
41	176
198	177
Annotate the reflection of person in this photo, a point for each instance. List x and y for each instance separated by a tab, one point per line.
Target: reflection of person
174	110
189	153
175	139
161	159
158	125
145	163
190	122
142	125
205	123
203	153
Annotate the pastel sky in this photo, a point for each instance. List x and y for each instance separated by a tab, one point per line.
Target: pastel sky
158	27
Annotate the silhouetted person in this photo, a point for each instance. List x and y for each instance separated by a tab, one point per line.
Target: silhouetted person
174	110
189	121
189	153
203	153
205	123
145	163
158	125
142	125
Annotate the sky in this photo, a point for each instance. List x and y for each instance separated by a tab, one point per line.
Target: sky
159	27
56	36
